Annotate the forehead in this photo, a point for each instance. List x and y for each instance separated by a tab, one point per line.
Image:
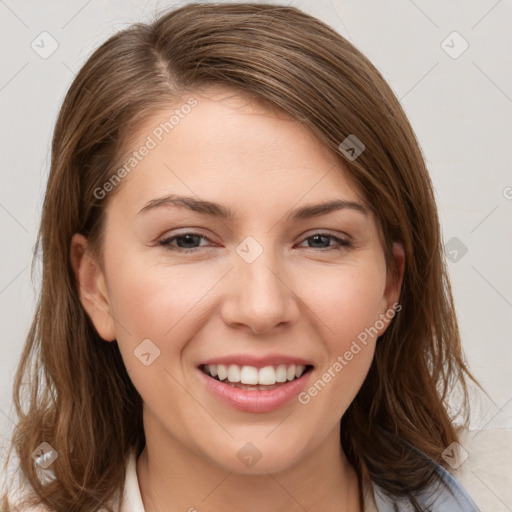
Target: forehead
230	144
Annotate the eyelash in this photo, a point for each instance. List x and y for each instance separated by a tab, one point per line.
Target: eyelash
342	243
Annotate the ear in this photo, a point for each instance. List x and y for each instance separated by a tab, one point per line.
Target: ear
92	289
394	278
395	275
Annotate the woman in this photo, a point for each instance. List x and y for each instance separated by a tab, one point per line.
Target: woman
244	302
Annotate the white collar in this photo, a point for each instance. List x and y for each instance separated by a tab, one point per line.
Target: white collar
132	501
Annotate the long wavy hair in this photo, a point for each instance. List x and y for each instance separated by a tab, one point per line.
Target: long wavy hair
71	388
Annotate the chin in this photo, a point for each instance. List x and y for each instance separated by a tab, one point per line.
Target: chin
257	457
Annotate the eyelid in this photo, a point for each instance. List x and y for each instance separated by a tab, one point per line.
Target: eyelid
192	231
166	239
343	241
335	234
185	231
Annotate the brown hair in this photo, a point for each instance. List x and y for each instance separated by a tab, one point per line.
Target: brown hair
81	400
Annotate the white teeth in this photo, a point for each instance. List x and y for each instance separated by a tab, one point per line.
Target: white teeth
249	375
234	373
222	371
281	373
266	376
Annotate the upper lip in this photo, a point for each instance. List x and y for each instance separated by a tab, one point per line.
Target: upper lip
259	361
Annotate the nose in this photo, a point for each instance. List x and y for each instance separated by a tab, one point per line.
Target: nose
260	295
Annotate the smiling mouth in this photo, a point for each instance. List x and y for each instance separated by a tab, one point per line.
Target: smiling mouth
253	378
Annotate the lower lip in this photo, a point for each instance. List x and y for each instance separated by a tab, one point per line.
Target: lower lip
255	401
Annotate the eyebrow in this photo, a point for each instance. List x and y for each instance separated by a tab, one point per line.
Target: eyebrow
220	211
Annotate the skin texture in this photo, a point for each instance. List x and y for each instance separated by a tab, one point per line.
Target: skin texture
304	297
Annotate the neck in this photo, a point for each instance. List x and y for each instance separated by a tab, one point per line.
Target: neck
174	478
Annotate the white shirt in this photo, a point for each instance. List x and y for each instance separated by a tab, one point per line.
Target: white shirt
132	496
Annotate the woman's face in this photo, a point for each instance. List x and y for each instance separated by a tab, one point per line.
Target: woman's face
246	274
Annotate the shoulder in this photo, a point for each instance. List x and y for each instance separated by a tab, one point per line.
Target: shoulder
20	495
22	499
477	477
484	468
446	493
16	491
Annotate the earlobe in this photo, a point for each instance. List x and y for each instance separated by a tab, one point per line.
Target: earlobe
91	288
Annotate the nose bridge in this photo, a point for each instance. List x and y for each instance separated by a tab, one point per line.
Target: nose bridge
259	296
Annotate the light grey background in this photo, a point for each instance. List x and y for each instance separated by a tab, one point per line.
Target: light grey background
459	105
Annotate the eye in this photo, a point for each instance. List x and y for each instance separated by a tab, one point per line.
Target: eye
321	239
185	242
188	242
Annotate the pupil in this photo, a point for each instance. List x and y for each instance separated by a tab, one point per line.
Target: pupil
315	238
189	241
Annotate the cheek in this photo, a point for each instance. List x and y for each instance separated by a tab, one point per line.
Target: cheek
349	341
348	306
155	300
162	304
348	301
